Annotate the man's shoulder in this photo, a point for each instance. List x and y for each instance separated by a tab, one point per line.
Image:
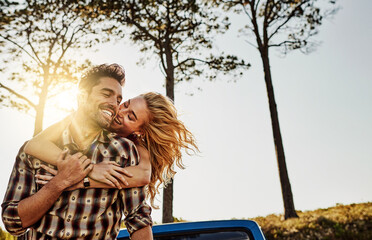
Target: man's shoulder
123	146
120	140
22	157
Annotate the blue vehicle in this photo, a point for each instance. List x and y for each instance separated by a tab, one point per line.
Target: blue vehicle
209	230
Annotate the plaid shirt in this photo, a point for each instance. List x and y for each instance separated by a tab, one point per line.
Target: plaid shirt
82	213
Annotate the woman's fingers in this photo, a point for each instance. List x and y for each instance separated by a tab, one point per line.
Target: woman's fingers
114	163
44	177
118	168
42	182
114	181
123	171
49	169
119	176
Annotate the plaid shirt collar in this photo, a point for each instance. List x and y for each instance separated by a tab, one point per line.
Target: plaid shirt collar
68	142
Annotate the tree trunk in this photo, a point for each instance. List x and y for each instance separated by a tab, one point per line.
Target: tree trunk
40	107
168	191
38	127
289	209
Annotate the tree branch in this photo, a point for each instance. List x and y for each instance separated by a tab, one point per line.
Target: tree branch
23	49
283	43
18	95
246	12
287	19
28	32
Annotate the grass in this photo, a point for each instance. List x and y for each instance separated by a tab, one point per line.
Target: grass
342	222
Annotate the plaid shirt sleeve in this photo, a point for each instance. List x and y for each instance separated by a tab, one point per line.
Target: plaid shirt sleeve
21	185
137	211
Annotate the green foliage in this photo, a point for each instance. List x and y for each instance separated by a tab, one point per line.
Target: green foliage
37	40
286	25
4	235
177	32
342	222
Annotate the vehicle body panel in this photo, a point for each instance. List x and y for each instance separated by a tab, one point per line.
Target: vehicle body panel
187	228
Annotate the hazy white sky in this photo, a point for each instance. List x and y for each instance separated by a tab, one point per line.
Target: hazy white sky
324	110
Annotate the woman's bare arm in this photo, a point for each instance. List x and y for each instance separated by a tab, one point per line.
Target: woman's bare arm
113	177
42	145
110	174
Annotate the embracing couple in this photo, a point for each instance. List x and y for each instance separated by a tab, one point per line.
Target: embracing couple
77	178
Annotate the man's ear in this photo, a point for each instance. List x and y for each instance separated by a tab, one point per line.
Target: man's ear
82	97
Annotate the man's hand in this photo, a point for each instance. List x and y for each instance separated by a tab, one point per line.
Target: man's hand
72	168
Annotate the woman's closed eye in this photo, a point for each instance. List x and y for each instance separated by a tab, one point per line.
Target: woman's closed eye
130	117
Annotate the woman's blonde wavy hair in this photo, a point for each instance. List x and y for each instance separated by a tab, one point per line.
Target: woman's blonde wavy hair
164	136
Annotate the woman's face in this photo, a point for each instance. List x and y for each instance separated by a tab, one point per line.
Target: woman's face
131	116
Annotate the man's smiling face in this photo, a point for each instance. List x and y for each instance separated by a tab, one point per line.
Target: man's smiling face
102	104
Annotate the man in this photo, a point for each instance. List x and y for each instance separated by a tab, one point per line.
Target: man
51	212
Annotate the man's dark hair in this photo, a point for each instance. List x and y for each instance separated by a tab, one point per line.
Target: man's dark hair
92	77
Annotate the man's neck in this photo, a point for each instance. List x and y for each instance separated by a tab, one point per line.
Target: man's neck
83	131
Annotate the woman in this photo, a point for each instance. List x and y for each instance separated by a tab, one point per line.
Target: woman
150	120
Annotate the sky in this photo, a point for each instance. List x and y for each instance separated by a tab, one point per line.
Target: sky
325	117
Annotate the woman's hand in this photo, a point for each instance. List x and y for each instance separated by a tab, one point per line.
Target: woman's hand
110	173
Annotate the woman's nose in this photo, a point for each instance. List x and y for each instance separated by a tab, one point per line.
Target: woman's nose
122	110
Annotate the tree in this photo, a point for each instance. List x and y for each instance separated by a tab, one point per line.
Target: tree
176	31
287	25
40	35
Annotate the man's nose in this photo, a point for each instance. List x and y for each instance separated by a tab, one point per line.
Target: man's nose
114	104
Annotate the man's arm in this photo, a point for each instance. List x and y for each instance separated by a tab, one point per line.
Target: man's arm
22	207
143	233
72	168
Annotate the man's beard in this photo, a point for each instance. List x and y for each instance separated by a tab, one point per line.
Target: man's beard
100	120
97	117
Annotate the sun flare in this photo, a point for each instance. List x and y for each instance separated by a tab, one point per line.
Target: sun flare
60	106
